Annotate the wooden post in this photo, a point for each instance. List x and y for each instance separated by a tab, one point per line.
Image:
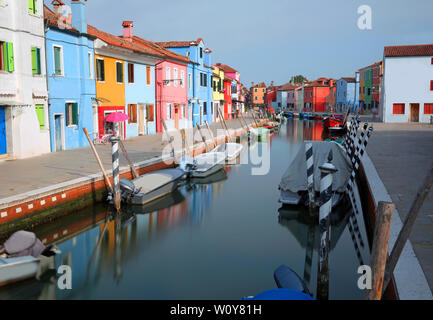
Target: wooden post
405	231
170	139
223	126
184	143
246	123
131	165
379	252
211	133
254	118
98	159
203	138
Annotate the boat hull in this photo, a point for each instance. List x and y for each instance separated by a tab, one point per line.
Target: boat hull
18	269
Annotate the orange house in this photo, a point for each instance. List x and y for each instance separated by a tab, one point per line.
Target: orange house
258	94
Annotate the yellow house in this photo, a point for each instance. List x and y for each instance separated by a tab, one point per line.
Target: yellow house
217	89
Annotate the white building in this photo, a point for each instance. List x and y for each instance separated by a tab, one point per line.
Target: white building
24	130
407	94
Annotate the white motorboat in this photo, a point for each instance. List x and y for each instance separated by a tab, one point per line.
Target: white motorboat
150	186
231	150
17	269
203	165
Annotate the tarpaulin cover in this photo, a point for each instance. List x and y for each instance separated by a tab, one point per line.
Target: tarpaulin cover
295	177
23	243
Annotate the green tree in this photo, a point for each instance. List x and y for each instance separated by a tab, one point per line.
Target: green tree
298	79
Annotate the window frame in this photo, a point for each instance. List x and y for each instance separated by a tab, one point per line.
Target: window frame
394	105
117	73
103	69
35	7
430	105
132	113
168	76
91	68
148	75
168	111
131	67
182	78
38	61
67	118
62	66
175	75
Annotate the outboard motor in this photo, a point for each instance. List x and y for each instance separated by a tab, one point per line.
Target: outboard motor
187	164
127	189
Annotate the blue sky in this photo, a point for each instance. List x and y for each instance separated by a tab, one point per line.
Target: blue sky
275	39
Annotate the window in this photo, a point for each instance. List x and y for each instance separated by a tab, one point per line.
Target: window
255	90
201	52
33	6
130	73
189	81
148	76
431	60
71	111
90	65
132	113
257	98
204	108
175	76
182	79
431	85
168	111
211	107
119	72
36	60
368	91
167	76
398	108
428	108
100	70
58	60
6	56
183	110
41	115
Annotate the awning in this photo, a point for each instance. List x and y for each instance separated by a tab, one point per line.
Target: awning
40	94
14	103
8	92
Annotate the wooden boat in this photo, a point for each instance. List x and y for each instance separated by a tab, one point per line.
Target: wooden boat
231	150
207	164
150	186
218	176
332	122
18	269
166	201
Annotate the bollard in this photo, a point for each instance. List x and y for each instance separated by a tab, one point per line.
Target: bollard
346	141
327	170
310	174
355	243
115	162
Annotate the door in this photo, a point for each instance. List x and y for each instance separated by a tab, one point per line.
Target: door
149	117
58	132
201	114
3	148
414	112
176	116
141	130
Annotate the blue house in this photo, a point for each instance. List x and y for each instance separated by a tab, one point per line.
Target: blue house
71	79
347	94
200	71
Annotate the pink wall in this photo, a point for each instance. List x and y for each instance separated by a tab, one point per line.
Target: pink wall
170	93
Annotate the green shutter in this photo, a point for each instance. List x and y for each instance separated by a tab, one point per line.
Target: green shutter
34	60
10	56
67	114
57	61
31	6
36	6
75	113
41	116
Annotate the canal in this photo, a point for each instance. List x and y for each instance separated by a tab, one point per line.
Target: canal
221	240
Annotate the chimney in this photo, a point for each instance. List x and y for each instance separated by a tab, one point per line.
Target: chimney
127	30
79	21
252	84
58	7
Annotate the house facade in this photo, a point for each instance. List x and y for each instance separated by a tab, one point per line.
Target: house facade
24	126
236	86
346	94
370	86
217	91
315	94
200	72
258	94
227	97
407	94
72	91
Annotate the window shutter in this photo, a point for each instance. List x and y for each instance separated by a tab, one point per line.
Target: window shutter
67	114
35	7
10	56
148	75
57	61
431	85
31	6
40	114
34	60
75	113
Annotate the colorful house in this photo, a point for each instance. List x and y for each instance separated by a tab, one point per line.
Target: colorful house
258	94
315	94
346	94
72	91
407	94
228	112
200	71
369	87
218	91
236	86
24	126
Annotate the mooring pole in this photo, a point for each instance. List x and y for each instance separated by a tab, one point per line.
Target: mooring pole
327	170
170	139
115	161
409	221
224	126
98	159
246	123
379	252
254	118
310	175
211	134
203	138
131	165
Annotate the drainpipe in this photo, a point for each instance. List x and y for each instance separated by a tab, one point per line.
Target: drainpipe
46	81
160	98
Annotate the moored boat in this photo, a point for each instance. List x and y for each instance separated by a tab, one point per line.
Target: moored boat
18	269
231	150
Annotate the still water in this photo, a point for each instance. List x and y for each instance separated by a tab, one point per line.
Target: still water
221	240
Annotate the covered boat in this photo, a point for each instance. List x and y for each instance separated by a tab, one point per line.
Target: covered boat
231	150
150	186
293	185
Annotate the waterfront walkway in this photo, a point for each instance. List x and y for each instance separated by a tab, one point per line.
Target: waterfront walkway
402	155
21	176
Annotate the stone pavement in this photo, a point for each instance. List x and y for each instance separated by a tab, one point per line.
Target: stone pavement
20	176
403	155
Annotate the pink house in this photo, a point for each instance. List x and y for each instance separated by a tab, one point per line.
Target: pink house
172	95
292	97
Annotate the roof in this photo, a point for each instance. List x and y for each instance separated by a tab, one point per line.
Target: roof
288	86
226	77
51	18
180	44
259	85
165	52
371	66
348	79
409	51
226	68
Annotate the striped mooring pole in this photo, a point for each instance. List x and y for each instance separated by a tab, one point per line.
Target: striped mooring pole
327	170
310	174
115	161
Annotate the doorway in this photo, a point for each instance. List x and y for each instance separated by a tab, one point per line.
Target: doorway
141	128
414	112
176	116
58	132
3	145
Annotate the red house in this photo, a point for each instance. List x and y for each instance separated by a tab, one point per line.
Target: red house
228	97
315	94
